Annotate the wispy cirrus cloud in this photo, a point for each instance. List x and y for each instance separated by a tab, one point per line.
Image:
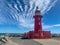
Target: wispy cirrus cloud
44	6
22	11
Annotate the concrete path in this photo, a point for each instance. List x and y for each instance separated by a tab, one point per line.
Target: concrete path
18	41
25	41
10	42
48	41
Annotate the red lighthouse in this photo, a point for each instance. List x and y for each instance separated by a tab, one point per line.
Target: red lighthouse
38	21
38	32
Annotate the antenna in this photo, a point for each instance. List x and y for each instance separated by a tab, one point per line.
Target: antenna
37	8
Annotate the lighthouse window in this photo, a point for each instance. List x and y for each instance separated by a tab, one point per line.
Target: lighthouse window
38	18
39	23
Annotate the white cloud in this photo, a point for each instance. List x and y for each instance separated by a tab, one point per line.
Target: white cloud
51	5
44	6
23	22
56	25
50	26
16	7
25	19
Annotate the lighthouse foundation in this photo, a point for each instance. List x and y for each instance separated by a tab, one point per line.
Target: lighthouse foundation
39	35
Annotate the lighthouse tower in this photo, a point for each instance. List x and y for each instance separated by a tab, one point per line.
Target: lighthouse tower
38	21
38	33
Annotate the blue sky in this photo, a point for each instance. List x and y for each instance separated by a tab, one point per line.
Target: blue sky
16	16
